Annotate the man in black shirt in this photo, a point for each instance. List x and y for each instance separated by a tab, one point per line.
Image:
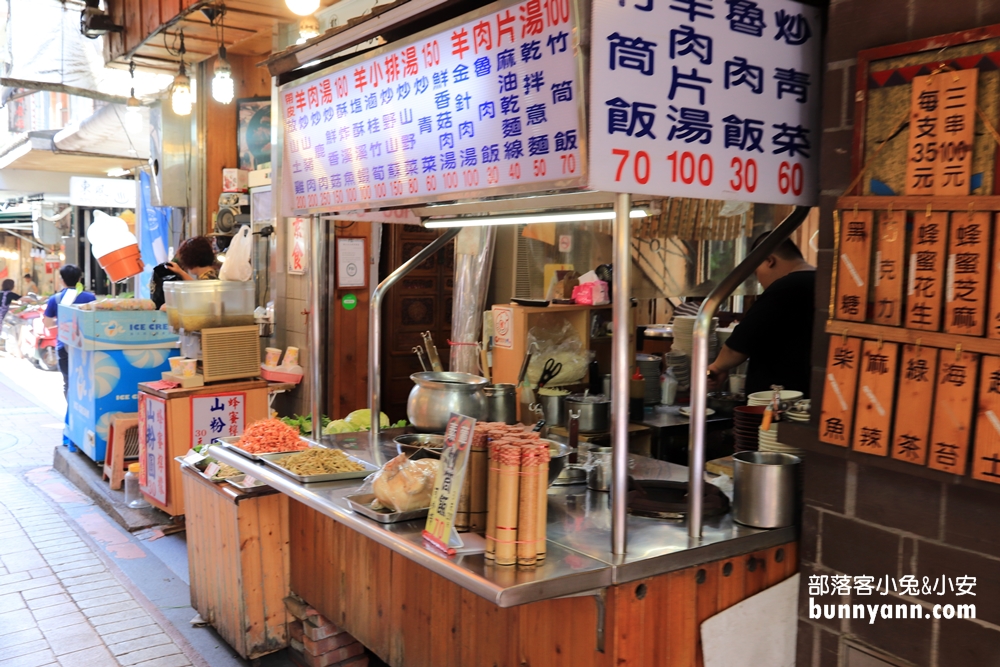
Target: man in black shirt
776	333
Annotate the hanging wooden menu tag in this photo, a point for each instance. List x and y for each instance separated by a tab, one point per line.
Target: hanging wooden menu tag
993	270
986	453
888	270
842	363
967	274
953	408
925	119
957	122
876	389
853	265
917	368
926	271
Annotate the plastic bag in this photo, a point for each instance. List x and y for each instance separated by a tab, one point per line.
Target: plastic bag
403	485
237	265
555	338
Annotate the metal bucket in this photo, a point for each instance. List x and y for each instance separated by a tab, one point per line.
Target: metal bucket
553	408
764	489
501	403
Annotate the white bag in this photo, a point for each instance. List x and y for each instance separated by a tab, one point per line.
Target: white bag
237	265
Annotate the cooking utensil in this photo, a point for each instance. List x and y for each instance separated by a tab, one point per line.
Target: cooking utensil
501	403
419	351
436	395
420	445
551	369
764	488
594	411
554	408
432	352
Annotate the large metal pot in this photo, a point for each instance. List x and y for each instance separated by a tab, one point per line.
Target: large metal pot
594	411
553	408
764	489
436	395
501	403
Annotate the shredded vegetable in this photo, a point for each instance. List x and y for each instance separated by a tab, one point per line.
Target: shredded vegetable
319	462
269	436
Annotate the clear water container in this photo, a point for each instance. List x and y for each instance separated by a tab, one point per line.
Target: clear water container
133	496
209	304
170	304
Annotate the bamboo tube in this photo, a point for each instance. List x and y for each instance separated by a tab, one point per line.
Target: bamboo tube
543	501
527	519
477	471
493	483
507	508
462	513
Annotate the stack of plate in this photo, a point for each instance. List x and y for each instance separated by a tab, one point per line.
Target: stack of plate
746	427
798	412
681	365
768	442
684	329
765	397
649	367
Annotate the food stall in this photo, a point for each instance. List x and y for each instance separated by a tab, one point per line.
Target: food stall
613	580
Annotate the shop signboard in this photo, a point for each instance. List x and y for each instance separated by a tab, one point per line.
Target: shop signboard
715	99
215	416
485	105
101	192
153	447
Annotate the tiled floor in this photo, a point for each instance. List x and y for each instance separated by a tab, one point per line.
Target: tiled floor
61	602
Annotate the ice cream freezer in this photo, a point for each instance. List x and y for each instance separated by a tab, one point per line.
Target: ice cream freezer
110	353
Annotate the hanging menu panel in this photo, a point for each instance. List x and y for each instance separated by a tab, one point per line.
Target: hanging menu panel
853	267
986	453
953	411
926	271
956	131
842	364
921	153
888	269
993	270
968	262
876	387
917	368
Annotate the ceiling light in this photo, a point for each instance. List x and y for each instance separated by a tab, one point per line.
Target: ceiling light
118	172
181	100
302	7
133	114
223	88
569	216
308	28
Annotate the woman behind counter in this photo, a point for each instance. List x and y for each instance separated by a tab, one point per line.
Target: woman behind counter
195	260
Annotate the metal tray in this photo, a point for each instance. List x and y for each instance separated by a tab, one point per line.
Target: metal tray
271	460
237	481
231	444
361	503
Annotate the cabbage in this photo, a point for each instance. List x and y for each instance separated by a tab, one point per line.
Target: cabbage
339	426
362	419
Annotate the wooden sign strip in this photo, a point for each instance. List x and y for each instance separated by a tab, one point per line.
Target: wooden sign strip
954	405
876	391
926	271
912	426
967	274
888	270
986	452
956	114
921	151
993	314
854	263
836	416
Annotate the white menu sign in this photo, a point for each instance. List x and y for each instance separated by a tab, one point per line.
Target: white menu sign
706	98
153	447
216	416
490	104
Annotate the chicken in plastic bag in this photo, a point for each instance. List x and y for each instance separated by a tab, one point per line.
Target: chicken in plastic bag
556	339
403	485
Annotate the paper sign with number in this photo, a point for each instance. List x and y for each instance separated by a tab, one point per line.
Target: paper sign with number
854	265
925	288
876	389
440	528
917	372
842	364
888	268
710	100
953	410
216	416
968	259
153	447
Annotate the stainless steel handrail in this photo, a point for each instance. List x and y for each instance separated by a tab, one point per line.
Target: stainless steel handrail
699	359
621	324
375	333
317	274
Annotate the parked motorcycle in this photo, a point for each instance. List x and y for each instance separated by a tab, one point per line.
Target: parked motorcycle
25	335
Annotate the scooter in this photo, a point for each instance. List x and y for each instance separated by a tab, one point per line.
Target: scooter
45	354
25	335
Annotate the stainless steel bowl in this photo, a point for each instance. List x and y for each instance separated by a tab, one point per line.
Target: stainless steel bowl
424	444
435	395
559	453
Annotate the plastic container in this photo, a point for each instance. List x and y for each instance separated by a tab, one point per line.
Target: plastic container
668	388
208	304
133	496
170	304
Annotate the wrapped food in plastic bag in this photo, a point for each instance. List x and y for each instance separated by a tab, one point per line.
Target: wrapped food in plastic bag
556	339
403	485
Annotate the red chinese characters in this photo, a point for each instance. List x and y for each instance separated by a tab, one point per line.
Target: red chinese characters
459	43
410	65
342	86
360	79
504	27
532	19
326	91
392	68
300	100
482	36
289	105
313	94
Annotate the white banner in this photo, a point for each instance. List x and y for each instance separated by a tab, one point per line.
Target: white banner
216	416
715	99
488	106
101	192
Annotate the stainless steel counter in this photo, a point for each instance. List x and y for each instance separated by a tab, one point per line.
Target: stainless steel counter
579	550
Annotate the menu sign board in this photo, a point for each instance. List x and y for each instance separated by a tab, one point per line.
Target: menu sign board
942	130
836	417
153	447
917	372
853	265
926	275
706	98
492	103
440	527
215	416
954	403
968	259
877	386
888	273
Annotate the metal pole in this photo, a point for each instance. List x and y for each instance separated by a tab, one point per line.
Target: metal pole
620	365
317	272
699	359
375	334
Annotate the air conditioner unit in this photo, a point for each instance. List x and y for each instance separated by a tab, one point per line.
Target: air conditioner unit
518	263
169	146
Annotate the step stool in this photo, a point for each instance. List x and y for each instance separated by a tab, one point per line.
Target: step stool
123	446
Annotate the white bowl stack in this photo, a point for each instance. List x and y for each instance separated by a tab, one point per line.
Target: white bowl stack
684	330
768	442
681	365
765	397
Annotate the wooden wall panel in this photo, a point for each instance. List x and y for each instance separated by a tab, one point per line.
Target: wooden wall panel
168	9
347	385
133	24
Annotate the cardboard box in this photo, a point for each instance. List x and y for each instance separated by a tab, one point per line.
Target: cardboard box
235	180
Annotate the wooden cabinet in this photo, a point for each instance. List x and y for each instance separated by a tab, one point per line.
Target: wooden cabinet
238	562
